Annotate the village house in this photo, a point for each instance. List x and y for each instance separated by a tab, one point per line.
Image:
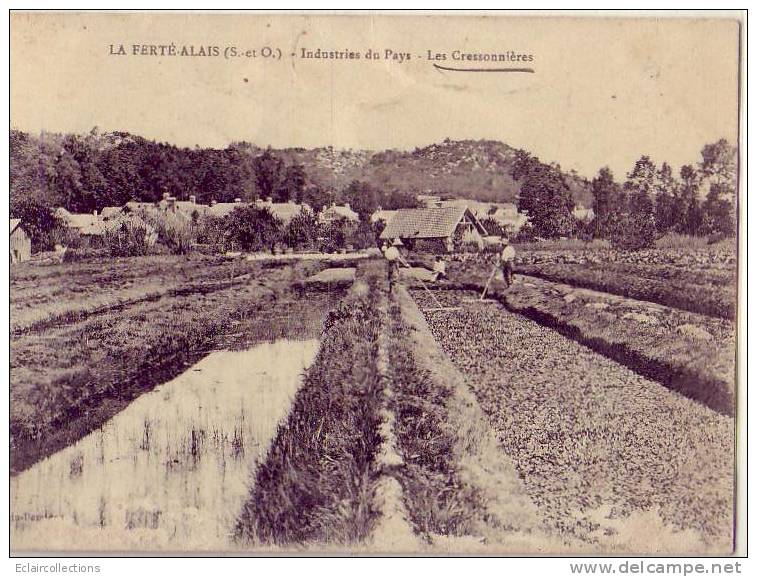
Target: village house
87	225
20	242
221	209
284	211
384	215
335	212
440	225
583	214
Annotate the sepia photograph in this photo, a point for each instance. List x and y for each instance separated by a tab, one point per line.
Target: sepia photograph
376	283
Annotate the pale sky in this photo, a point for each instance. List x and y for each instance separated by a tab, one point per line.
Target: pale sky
604	91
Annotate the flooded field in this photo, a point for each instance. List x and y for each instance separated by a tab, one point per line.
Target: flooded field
172	470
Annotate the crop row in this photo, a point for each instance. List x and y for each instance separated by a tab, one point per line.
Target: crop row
460	489
718	257
46	295
609	457
711	292
707	292
317	481
689	353
69	379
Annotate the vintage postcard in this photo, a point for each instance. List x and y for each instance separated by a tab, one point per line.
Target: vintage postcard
374	283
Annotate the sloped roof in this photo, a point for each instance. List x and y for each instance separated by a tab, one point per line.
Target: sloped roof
286	211
85	223
133	219
188	207
340	211
385	215
14	223
427	222
224	208
134	205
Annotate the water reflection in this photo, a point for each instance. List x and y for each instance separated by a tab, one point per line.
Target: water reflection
173	469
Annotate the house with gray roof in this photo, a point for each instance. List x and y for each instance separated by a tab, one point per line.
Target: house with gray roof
442	226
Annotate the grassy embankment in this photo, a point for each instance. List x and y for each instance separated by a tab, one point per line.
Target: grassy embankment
67	379
707	291
680	271
316	485
42	296
687	352
383	416
461	491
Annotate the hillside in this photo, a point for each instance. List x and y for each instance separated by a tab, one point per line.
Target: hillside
85	172
477	169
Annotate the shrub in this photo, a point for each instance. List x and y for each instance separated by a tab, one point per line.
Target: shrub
363	236
634	232
334	236
211	233
129	238
251	228
177	235
67	237
302	230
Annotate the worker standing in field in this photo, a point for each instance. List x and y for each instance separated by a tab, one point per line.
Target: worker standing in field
506	261
440	268
392	256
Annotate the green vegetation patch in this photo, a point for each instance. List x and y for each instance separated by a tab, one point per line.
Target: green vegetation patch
316	483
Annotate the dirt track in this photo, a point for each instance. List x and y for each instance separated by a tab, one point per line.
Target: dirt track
607	455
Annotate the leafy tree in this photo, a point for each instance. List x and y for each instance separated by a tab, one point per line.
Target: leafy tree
363	198
334	235
362	236
718	167
269	174
302	230
636	229
718	213
252	228
667	202
691	210
378	227
544	196
609	203
292	185
39	222
315	196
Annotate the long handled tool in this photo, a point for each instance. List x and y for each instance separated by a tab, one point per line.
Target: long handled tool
439	306
482	297
488	282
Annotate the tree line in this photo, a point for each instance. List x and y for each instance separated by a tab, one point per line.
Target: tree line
87	172
84	173
651	202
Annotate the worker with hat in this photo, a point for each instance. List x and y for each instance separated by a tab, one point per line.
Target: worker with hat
506	260
392	256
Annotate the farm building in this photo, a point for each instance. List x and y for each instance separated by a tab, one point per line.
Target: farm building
20	242
507	215
336	212
584	214
381	214
86	224
284	211
443	225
